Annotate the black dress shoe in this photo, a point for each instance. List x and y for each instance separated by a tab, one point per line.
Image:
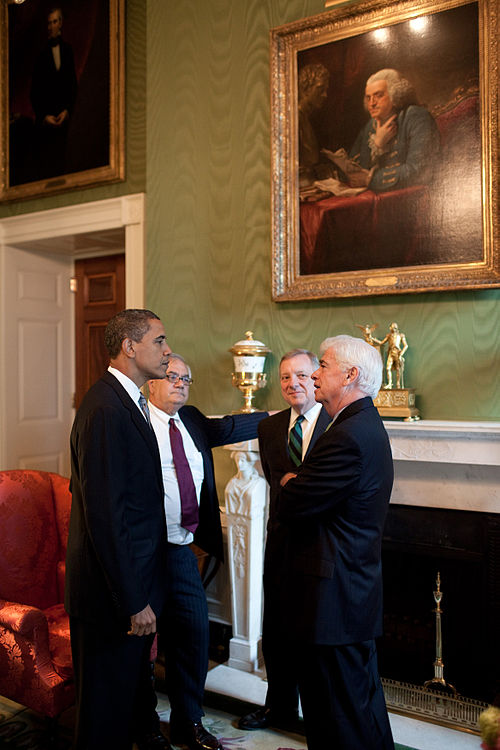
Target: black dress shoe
265	717
153	741
194	736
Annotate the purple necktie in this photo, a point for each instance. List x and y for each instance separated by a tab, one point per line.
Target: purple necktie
187	491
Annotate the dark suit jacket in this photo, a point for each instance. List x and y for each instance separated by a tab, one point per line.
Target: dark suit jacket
207	434
115	560
276	461
53	90
335	511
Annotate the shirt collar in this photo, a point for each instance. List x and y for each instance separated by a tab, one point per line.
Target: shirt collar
129	385
309	415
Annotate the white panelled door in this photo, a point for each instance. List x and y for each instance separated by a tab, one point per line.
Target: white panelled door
37	349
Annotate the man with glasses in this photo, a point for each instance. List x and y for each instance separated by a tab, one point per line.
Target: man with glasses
185	439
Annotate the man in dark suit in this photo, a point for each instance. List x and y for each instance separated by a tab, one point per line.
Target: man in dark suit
329	574
116	556
297	388
184	629
53	95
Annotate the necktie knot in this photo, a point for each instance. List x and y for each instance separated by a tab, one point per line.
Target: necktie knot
145	409
295	441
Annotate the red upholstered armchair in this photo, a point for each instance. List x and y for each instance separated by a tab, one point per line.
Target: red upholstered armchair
35	653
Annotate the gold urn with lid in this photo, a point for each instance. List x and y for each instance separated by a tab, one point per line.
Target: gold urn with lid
249	357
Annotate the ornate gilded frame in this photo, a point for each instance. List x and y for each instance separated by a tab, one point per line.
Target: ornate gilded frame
114	169
346	23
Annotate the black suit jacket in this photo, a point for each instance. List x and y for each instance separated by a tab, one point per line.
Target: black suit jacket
335	511
115	560
208	433
276	461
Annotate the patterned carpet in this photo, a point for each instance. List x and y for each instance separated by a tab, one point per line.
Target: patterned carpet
22	729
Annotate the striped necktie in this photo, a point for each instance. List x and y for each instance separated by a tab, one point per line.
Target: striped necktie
145	409
295	441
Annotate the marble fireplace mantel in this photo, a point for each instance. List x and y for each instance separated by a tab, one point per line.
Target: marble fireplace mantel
437	464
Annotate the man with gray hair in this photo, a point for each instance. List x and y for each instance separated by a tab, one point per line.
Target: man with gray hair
333	507
398	146
285	439
185	440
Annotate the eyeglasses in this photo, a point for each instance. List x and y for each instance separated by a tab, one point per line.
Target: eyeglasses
173	377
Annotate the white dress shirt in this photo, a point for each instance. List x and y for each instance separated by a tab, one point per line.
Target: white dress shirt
129	385
308	425
160	421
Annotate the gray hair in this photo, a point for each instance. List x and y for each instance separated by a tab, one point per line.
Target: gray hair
400	89
173	355
353	352
297	352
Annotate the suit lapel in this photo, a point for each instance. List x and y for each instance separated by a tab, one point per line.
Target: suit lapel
354	408
192	427
136	417
322	423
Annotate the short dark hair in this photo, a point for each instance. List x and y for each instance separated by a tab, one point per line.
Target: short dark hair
127	324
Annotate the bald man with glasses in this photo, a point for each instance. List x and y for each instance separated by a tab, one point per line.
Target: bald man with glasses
185	439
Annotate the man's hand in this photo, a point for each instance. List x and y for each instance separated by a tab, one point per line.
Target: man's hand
286	477
386	132
143	623
55	121
361	178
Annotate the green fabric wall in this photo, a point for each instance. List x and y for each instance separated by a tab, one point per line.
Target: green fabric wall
209	246
206	171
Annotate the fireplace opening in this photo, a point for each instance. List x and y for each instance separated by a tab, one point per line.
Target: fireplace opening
464	547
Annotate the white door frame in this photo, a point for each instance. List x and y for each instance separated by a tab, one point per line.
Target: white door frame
126	212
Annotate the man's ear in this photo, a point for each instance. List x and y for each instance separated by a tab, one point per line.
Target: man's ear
352	375
128	348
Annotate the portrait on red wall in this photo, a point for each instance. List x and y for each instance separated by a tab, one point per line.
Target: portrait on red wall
379	163
62	99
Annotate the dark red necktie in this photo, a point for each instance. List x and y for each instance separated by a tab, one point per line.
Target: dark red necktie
187	491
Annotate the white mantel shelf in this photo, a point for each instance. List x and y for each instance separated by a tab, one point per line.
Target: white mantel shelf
473	443
442	464
453	465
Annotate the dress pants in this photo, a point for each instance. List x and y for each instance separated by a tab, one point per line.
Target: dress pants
282	683
342	698
184	635
114	700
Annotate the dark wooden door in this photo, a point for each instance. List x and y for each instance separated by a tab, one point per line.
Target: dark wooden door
100	294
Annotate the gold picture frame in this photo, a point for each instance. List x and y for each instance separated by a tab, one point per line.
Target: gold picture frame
437	228
83	146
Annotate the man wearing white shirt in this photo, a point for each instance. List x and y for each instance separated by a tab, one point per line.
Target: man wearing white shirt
184	628
283	446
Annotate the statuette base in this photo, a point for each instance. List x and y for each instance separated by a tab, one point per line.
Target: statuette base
397	403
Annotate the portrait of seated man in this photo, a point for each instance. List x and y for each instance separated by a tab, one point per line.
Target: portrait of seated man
399	145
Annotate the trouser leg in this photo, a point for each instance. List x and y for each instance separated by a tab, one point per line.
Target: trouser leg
113	698
342	698
282	687
185	636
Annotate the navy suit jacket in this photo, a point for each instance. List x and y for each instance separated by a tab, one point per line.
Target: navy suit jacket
115	563
207	433
335	511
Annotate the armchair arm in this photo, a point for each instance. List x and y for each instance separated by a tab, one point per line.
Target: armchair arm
21	618
27	673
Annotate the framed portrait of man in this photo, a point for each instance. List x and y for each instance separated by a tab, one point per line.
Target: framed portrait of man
62	99
384	150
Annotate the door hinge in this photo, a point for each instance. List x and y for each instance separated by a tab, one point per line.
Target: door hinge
73	285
